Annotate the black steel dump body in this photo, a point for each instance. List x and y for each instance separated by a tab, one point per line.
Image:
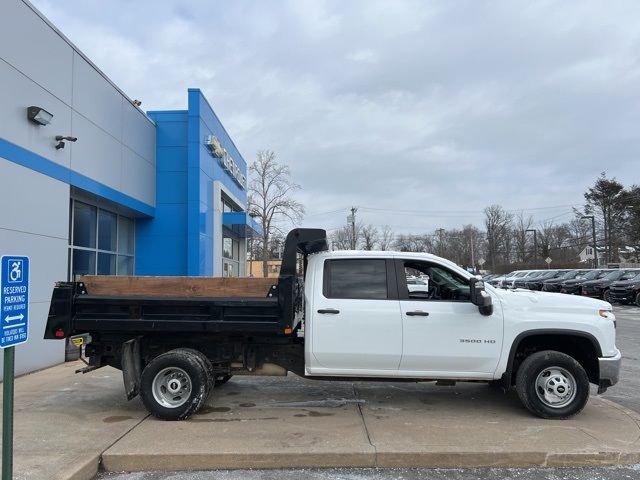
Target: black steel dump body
76	310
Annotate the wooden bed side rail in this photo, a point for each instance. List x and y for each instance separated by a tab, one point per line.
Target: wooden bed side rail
109	285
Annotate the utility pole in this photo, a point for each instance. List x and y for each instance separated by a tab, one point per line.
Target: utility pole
595	244
535	246
473	260
440	231
352	218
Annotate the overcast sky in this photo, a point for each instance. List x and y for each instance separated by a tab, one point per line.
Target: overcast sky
419	113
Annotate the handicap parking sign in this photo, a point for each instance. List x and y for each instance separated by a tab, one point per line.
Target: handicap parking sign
14	300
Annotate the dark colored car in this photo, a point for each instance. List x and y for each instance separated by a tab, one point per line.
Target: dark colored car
599	288
572	287
627	291
521	282
536	283
553	285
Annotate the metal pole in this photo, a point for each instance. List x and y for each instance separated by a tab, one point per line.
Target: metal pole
595	243
473	260
440	249
535	249
353	227
7	414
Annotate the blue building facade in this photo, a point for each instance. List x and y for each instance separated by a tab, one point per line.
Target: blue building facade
125	192
200	223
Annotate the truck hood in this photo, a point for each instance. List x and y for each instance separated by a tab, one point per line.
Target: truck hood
532	300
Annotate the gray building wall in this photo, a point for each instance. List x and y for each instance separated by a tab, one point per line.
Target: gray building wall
115	150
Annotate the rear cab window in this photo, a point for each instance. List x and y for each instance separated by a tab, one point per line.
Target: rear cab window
359	278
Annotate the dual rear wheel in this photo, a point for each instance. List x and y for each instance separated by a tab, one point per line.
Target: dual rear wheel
176	384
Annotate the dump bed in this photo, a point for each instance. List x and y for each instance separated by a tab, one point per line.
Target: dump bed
142	305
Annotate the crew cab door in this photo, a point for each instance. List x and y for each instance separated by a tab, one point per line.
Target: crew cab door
356	325
444	333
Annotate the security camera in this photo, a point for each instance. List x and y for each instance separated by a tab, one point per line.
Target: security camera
59	138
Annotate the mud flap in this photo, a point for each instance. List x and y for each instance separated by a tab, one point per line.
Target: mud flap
131	367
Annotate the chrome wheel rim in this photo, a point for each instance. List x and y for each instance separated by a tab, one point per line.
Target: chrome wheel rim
171	387
556	387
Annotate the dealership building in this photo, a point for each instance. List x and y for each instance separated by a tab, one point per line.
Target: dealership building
91	184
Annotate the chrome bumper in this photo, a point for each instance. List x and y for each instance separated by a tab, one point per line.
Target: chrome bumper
609	371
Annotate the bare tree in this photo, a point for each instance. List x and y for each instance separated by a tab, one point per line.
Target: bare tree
270	200
385	239
369	237
342	238
498	224
521	225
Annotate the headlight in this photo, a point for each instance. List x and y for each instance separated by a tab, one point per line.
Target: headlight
608	314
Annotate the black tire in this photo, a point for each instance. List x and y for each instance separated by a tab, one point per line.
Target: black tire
606	296
638	299
563	376
206	364
221	380
191	381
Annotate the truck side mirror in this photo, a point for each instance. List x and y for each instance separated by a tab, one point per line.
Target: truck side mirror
480	297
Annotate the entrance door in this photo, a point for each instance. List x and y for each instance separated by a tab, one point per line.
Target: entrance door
443	331
356	323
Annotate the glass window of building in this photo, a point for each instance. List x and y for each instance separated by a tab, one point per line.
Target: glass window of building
102	242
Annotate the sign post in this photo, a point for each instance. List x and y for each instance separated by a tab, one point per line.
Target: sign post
548	260
14	330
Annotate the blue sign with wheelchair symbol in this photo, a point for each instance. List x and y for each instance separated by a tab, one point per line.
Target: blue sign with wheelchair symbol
14	300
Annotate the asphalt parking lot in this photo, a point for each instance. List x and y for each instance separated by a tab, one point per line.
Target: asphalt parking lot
626	393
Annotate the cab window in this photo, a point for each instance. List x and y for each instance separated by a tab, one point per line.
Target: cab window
355	278
429	281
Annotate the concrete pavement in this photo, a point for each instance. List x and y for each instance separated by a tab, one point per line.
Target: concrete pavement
291	422
63	421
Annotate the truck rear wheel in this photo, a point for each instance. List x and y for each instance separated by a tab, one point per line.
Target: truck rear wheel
552	384
174	385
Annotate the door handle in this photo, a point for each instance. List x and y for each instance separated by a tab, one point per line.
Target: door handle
329	310
418	313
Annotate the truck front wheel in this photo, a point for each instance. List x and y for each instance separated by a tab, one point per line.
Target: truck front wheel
174	385
552	384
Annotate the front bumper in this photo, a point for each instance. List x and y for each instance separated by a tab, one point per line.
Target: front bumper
609	371
622	295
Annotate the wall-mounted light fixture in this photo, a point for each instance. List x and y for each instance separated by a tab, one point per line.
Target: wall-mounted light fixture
137	103
39	115
60	139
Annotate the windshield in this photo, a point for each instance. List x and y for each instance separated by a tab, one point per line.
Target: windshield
613	275
572	274
630	275
536	274
592	274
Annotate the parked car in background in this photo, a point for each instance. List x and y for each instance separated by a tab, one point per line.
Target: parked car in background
507	282
521	282
599	288
626	291
572	287
496	279
536	283
418	285
553	285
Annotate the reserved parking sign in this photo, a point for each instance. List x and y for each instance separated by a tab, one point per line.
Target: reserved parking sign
14	300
